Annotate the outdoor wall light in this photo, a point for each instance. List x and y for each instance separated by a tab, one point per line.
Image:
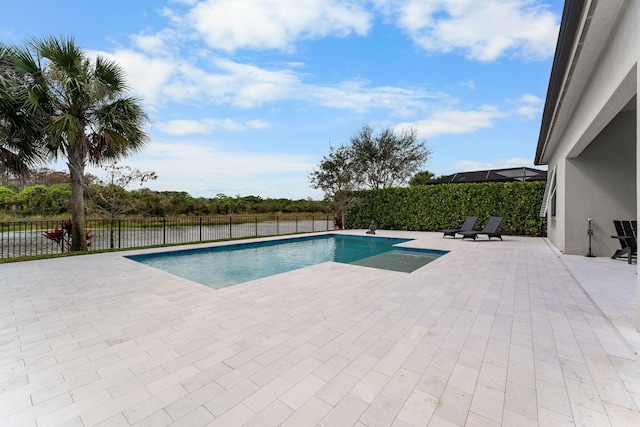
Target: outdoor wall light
590	233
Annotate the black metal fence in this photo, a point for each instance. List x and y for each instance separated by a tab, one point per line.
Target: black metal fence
25	238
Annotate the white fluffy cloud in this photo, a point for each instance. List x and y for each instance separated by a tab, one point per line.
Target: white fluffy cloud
453	122
161	79
163	74
147	74
275	24
258	124
212	170
528	105
170	79
205	126
249	86
163	71
245	85
360	97
483	30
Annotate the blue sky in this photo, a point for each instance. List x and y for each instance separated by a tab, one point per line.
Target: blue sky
246	96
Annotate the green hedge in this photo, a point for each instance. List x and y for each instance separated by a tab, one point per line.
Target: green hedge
434	207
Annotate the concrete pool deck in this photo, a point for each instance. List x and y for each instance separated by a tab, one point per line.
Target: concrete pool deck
509	333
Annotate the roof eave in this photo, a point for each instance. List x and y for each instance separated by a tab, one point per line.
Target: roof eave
566	36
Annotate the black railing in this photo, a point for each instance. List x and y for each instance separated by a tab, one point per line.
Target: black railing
25	238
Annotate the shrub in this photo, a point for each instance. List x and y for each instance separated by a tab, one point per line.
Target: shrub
435	207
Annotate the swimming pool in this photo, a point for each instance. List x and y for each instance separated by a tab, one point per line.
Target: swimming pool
222	266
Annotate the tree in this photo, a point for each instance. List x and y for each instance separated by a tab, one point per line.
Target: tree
369	161
79	109
386	159
20	137
110	198
421	178
335	176
335	172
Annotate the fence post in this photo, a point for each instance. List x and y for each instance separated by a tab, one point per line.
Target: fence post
200	218
164	231
277	225
119	234
256	226
230	227
296	224
313	223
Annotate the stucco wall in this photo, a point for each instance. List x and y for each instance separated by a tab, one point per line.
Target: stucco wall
600	184
612	82
593	144
555	224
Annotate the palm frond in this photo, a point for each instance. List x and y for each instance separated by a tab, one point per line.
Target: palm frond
79	106
111	75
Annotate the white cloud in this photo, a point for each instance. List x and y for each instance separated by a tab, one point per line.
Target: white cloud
186	127
258	124
160	43
275	24
206	126
470	165
469	84
360	97
453	122
528	105
145	74
163	70
211	170
171	79
484	30
245	85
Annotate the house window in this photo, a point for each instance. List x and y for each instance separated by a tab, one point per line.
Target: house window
549	198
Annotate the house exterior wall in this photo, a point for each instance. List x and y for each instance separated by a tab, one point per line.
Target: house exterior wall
590	128
612	82
555	223
600	184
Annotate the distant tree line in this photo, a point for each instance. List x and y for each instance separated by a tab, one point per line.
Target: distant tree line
44	193
43	201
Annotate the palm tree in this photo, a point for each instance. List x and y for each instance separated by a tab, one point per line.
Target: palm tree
422	178
82	111
19	147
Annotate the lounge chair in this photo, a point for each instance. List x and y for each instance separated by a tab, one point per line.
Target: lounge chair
467	225
626	234
491	229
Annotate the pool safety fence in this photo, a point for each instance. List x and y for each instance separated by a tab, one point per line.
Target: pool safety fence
26	238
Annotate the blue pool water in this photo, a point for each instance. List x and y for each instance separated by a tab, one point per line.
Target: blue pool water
222	266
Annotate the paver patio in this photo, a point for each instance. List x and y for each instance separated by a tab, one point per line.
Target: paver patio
509	333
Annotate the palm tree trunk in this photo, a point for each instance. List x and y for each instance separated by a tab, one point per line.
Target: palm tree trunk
78	233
